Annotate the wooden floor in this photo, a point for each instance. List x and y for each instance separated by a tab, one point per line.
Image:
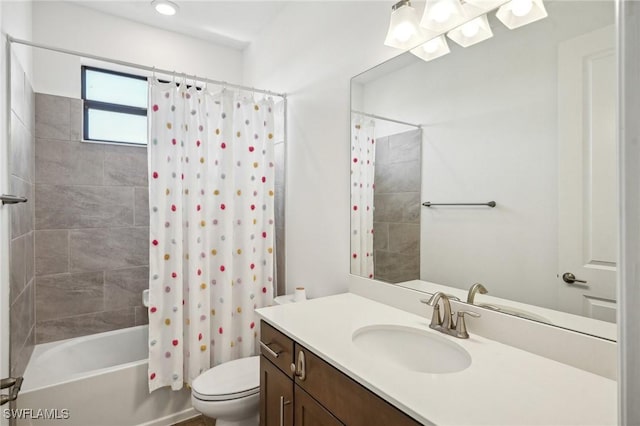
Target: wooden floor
197	421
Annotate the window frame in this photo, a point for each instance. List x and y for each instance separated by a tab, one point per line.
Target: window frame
88	104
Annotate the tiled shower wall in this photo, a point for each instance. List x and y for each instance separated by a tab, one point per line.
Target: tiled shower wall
91	222
21	165
396	217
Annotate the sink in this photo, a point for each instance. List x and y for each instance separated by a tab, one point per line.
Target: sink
411	349
515	311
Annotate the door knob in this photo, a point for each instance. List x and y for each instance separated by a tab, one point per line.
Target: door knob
569	278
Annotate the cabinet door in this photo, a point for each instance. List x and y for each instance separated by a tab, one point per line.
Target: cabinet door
276	396
349	401
310	413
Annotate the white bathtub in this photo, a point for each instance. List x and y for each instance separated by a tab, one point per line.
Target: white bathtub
101	380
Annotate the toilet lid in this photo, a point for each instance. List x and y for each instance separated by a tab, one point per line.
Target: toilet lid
230	380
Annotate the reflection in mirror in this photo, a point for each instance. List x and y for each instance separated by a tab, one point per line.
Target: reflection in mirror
525	119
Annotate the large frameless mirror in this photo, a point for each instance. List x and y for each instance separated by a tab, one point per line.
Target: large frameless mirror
496	164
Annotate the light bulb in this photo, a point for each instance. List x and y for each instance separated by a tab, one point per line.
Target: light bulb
431	46
471	28
521	7
165	7
441	11
403	32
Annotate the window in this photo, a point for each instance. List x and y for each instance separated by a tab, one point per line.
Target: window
115	106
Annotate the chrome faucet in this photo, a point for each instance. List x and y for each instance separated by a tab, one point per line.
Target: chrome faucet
476	288
446	324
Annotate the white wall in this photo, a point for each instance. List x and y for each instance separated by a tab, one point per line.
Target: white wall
78	28
490	133
311	51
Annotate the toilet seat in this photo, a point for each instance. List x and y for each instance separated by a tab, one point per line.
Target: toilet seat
235	379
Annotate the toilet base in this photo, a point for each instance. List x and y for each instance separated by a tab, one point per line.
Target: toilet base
251	421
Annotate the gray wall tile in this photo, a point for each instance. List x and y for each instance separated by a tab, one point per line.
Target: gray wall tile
53	116
68	163
397	207
123	288
65	295
141	201
22	213
90	199
75	121
17	267
396	267
52	252
29	253
20	355
404	238
400	207
22	316
30	112
380	236
64	207
382	151
108	248
398	177
21	161
125	166
141	315
405	147
280	219
22	150
82	325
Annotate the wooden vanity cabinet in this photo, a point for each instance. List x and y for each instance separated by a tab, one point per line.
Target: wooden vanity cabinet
317	394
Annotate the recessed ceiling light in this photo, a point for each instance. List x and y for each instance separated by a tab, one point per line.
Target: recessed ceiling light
165	7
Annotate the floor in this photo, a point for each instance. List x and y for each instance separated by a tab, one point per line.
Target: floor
197	421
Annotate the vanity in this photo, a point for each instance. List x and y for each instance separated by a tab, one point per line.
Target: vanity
344	374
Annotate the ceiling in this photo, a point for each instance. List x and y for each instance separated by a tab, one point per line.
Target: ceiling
229	23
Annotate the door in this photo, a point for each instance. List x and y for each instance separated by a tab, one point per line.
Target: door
310	413
587	172
276	396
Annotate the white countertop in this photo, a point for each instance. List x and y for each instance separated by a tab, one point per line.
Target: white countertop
503	385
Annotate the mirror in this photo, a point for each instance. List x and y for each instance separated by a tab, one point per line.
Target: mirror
525	119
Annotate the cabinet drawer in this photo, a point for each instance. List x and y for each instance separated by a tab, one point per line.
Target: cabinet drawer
280	351
350	402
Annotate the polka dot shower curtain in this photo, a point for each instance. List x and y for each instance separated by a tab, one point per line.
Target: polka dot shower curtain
363	155
211	192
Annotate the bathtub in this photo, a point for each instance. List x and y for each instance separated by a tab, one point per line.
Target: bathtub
101	380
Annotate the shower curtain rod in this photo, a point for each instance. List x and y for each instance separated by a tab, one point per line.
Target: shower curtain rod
379	117
11	40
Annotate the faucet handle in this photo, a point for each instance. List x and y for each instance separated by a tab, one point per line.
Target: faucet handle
461	326
436	319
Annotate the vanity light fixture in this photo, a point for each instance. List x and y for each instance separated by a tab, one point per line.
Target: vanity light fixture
432	49
442	15
165	7
404	31
517	13
471	32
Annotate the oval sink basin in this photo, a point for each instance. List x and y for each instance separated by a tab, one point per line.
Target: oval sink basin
411	349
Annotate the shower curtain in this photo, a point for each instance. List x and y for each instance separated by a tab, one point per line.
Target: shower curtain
211	192
363	155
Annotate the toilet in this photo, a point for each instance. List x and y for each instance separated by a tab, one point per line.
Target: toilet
229	392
